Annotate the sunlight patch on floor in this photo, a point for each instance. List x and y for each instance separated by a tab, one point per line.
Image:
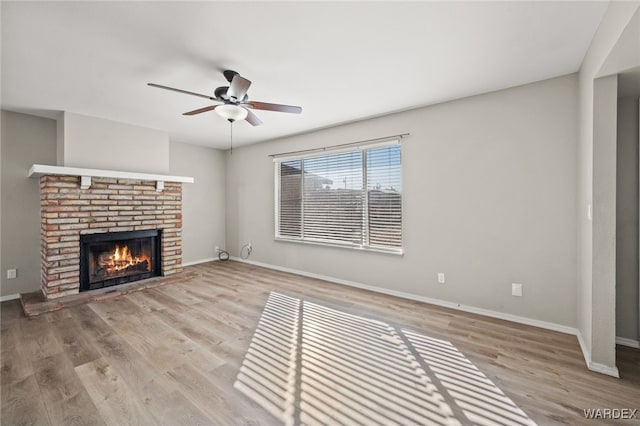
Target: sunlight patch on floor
311	364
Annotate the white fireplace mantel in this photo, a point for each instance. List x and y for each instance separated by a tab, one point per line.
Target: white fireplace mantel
38	170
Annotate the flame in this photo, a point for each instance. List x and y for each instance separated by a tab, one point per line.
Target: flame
121	259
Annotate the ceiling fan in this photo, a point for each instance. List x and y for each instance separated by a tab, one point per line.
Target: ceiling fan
234	102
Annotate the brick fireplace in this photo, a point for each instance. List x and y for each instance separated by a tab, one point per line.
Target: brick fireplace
109	205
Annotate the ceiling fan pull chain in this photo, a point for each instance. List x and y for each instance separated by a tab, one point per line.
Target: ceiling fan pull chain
231	148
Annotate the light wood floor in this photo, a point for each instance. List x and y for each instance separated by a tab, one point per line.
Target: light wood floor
170	355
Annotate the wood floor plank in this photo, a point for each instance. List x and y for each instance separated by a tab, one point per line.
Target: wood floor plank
10	312
64	395
22	403
219	403
117	404
164	403
74	343
14	357
171	355
164	346
39	338
190	328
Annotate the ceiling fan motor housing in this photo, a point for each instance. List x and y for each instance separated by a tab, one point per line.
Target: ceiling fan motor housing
229	74
221	92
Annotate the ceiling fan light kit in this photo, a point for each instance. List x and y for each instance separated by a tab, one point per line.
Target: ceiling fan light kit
231	112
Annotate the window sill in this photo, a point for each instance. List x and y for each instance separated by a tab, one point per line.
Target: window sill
396	252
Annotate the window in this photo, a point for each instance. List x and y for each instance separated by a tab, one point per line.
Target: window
351	198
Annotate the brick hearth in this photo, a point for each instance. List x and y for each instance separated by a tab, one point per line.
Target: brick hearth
109	205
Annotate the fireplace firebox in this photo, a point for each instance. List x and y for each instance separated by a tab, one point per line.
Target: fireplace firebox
118	257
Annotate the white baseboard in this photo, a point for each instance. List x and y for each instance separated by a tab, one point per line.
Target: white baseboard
196	262
438	302
604	369
9	297
583	347
595	366
623	341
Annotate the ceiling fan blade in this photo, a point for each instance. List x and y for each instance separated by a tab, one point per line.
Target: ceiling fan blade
253	119
159	86
238	88
273	107
201	110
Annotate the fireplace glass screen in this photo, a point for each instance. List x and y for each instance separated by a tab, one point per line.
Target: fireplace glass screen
117	258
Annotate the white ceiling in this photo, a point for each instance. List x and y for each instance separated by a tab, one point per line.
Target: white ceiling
339	61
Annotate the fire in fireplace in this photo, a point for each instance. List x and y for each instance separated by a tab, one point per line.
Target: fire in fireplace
118	257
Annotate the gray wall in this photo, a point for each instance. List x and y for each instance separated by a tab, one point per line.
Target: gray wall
627	220
489	199
203	212
25	140
96	143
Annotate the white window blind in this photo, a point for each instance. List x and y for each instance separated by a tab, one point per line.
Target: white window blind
352	197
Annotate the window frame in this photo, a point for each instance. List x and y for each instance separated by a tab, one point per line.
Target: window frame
363	148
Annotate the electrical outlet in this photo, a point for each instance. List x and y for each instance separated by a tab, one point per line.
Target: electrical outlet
12	274
516	289
217	249
250	246
441	277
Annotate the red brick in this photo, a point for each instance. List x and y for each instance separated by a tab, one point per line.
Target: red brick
121	197
121	229
62	232
75	214
94	208
72	262
64	184
66	179
62	245
57	257
70	226
56	293
74	202
103	202
70	274
94	219
98	224
65	269
55	283
130	223
93	197
73	192
64	220
93	190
